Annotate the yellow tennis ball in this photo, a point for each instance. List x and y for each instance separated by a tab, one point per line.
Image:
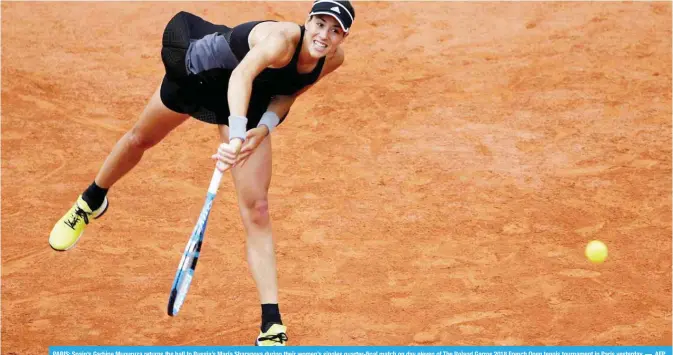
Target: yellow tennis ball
596	251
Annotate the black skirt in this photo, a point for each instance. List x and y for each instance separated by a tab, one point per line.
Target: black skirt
205	100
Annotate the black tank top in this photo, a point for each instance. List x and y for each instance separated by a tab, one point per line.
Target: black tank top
274	81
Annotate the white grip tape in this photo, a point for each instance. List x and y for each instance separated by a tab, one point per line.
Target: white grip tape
215	181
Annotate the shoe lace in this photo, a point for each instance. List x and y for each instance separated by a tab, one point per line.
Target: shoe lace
278	338
79	213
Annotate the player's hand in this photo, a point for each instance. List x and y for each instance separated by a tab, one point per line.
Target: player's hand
227	153
253	139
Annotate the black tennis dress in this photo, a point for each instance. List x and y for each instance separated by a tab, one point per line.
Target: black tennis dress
199	58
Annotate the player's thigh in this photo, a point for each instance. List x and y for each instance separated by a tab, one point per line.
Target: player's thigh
157	120
252	180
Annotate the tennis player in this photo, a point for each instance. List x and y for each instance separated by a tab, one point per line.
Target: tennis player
243	79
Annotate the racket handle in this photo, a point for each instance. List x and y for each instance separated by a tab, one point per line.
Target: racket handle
215	180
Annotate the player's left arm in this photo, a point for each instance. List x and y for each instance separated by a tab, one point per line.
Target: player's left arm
280	105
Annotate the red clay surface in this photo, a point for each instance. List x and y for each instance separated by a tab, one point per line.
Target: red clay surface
438	189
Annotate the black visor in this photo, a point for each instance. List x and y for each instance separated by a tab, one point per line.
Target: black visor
334	9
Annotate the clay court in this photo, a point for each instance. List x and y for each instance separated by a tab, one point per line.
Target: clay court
438	189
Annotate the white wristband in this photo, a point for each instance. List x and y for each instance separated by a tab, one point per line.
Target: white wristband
237	127
270	120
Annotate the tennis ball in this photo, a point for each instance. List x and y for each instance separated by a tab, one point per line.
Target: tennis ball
596	251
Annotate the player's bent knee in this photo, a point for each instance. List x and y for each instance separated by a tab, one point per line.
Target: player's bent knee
258	212
139	140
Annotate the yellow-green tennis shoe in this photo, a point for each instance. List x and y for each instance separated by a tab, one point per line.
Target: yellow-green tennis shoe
274	336
69	228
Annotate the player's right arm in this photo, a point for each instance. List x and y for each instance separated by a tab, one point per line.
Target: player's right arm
274	50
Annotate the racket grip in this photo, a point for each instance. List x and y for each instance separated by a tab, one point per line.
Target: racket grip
215	180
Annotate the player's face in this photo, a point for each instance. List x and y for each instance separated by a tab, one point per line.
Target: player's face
325	35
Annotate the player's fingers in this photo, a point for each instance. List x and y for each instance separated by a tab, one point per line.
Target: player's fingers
226	151
242	162
252	143
224	159
225	148
242	157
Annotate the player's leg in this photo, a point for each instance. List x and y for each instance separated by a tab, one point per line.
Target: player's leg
155	122
252	182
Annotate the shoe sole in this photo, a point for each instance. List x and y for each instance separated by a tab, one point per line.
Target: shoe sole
70	247
257	343
107	204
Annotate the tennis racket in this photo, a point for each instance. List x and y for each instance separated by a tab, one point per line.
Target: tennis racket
183	277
